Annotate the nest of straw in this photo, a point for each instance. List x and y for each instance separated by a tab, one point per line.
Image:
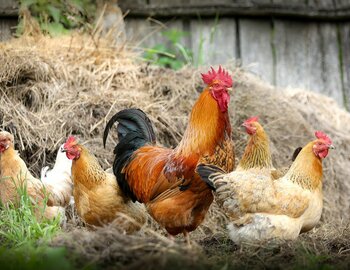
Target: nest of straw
53	87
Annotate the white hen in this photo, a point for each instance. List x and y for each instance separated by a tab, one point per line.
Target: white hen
59	177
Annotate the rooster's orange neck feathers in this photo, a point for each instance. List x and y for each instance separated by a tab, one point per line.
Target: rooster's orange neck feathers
257	152
206	128
306	170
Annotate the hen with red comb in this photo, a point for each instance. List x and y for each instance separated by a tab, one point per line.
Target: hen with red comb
323	136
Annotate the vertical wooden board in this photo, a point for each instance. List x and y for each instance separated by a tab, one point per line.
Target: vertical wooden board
255	47
9	5
321	4
137	30
160	27
213	43
298	56
307	57
342	3
7	28
147	34
331	69
345	48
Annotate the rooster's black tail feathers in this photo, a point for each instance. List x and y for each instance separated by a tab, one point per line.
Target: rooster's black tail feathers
134	131
205	171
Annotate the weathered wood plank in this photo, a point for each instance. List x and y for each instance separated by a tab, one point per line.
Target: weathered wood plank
345	56
256	47
307	57
213	42
137	30
147	33
311	9
291	40
9	8
331	66
7	28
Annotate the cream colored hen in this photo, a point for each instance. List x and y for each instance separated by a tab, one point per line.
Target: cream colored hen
261	208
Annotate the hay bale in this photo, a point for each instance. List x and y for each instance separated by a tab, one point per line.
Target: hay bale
53	87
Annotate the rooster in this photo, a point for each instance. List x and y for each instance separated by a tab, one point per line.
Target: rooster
98	198
165	179
261	208
14	174
59	177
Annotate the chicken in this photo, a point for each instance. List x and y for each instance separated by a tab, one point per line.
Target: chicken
98	198
14	174
257	156
164	179
260	208
59	177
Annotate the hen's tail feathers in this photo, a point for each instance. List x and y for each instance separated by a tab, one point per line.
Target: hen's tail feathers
207	172
296	153
134	131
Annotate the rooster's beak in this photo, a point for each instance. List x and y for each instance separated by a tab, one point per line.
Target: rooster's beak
229	89
63	150
331	146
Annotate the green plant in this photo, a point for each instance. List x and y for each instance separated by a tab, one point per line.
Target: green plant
30	257
19	225
57	17
172	54
24	239
308	260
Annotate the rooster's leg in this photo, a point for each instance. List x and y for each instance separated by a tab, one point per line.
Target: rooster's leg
187	236
171	237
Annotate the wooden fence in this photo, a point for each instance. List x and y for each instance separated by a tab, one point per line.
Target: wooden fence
288	43
8	18
296	43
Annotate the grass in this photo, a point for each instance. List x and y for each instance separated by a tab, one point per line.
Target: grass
19	225
24	240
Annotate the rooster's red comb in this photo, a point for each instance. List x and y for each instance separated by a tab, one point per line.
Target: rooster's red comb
220	77
252	119
321	135
70	141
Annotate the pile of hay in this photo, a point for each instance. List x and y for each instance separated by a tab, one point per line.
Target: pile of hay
53	87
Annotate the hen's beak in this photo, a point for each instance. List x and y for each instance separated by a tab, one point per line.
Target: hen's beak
229	89
63	150
331	146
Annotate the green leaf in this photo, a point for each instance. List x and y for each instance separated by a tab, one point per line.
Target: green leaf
174	35
55	13
55	29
